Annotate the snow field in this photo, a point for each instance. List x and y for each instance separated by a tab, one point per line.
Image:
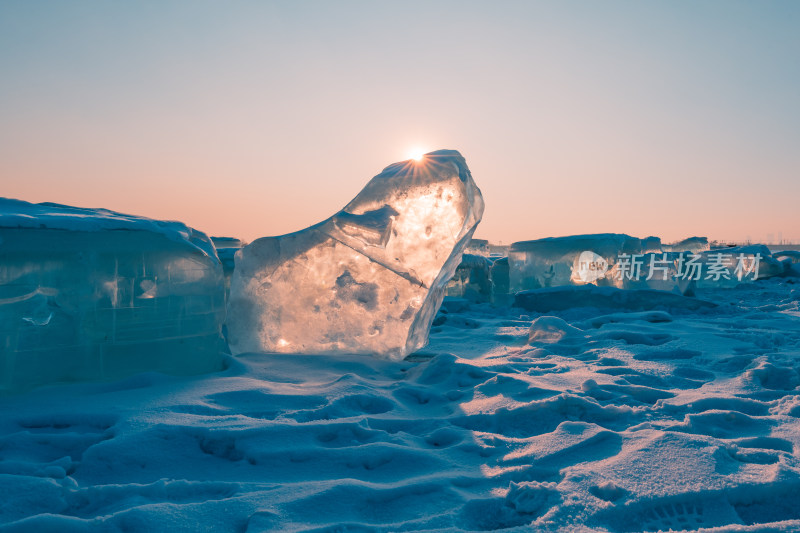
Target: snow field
646	420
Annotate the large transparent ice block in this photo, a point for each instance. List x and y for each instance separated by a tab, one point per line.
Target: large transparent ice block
93	294
367	280
573	260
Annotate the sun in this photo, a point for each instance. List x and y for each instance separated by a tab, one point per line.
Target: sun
417	154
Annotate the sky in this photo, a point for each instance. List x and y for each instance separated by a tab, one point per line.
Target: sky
251	119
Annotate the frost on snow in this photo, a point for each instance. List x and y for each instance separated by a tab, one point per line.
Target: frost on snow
367	280
94	294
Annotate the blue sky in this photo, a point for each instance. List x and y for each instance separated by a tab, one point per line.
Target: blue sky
261	118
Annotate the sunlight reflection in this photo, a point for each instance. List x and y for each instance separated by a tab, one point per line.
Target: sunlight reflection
417	154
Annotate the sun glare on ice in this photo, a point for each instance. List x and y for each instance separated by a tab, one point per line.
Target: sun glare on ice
417	154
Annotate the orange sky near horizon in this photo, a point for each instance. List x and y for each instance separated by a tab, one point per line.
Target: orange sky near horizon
256	119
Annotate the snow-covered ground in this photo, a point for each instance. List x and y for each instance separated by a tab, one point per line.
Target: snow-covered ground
633	421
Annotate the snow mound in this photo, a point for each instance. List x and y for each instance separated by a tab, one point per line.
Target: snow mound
551	329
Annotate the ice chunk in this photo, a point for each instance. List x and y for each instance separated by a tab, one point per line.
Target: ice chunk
227	242
367	280
94	294
573	260
684	271
478	247
792	255
472	279
692	244
500	281
226	251
728	267
605	260
660	271
790	260
651	245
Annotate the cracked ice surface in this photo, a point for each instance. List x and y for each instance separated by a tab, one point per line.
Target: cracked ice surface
367	280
